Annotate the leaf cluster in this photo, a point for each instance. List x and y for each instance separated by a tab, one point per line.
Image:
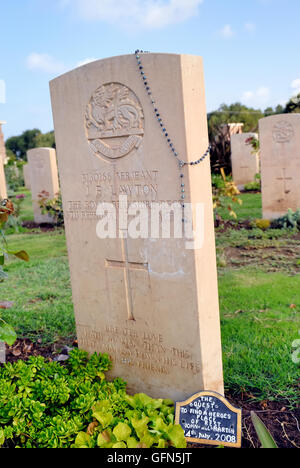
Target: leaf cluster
7	333
225	192
141	422
46	405
290	220
52	207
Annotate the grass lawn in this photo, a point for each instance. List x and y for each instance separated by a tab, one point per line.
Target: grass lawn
259	298
27	211
40	289
251	207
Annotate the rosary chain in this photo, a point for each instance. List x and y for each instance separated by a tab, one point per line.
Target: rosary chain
170	143
159	119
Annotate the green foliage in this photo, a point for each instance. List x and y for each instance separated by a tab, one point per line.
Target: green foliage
45	140
255	143
52	207
257	326
7	210
296	351
19	145
225	193
47	405
14	222
254	186
139	422
220	139
14	176
264	435
289	221
232	114
293	106
263	224
7	333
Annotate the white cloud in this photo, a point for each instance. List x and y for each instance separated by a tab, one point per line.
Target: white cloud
150	14
295	85
259	97
227	31
44	63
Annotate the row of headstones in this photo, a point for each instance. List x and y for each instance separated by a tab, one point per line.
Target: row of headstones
151	303
278	162
40	177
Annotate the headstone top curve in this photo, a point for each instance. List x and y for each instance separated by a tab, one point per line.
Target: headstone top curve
96	63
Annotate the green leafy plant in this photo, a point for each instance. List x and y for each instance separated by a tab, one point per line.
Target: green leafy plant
142	422
255	143
289	221
264	435
52	207
7	333
225	192
14	175
46	405
296	352
263	224
254	186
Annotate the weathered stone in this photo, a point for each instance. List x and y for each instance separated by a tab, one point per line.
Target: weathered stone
26	174
245	164
280	164
151	303
44	178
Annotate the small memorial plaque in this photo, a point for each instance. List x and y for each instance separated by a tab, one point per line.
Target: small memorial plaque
208	418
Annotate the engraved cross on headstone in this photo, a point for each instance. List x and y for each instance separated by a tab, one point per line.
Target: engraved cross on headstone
127	266
285	179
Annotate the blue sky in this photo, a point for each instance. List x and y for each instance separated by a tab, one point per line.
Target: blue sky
250	48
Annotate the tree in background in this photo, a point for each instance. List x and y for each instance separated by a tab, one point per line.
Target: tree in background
293	106
17	146
220	140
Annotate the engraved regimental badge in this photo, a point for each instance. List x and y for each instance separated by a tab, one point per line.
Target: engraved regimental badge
283	132
114	121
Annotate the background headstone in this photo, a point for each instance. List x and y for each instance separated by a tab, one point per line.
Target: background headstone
280	164
245	164
150	303
26	174
227	130
44	178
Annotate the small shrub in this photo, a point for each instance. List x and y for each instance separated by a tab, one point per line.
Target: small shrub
7	209
14	176
289	221
52	207
47	405
263	224
254	186
225	192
